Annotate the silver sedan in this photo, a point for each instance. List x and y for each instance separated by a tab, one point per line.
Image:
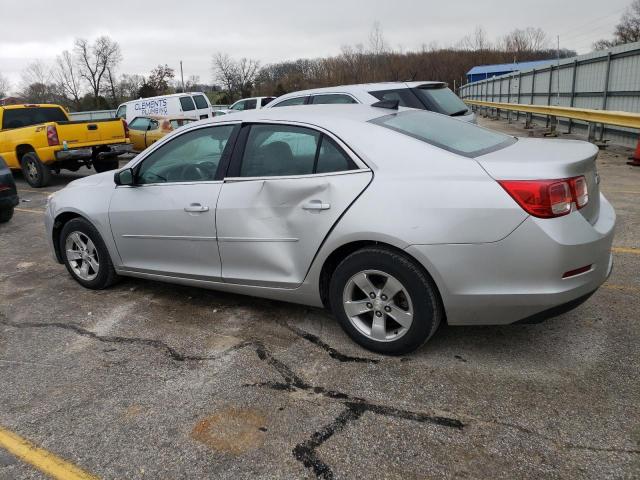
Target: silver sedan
397	220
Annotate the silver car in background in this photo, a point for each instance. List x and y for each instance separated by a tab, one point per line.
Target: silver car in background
396	220
433	96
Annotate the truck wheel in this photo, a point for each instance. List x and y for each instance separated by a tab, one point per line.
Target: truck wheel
106	164
36	173
6	214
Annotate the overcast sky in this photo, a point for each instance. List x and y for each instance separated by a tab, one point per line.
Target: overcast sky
151	32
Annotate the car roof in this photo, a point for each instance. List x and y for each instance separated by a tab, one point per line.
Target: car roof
324	116
366	87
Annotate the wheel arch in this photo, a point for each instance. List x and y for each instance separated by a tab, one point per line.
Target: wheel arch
340	253
58	224
22	150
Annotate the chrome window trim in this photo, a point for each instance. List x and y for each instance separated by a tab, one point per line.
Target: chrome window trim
294	177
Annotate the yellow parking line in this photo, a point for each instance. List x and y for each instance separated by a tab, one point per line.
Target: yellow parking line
40	458
28	210
632	251
41	192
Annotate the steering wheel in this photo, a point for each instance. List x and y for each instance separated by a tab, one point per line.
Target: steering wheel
194	173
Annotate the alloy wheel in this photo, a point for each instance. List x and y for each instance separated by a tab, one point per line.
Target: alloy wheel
82	256
378	305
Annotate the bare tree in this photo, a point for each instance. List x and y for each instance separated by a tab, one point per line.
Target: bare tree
525	41
5	86
95	59
236	76
129	85
627	31
67	78
377	43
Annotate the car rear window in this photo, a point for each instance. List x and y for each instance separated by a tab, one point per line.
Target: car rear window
444	132
23	117
441	100
201	102
266	100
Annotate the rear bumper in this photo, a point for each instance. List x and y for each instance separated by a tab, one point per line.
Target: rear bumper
520	276
87	153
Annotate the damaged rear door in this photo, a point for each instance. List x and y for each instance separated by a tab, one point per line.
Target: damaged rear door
286	187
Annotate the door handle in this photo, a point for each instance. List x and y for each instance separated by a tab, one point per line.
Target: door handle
316	205
196	207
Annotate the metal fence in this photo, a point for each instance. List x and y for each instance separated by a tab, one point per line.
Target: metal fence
93	115
604	80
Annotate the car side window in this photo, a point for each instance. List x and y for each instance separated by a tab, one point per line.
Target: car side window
201	102
332	98
291	101
250	104
279	150
187	104
139	123
331	158
193	156
265	101
153	125
122	112
238	106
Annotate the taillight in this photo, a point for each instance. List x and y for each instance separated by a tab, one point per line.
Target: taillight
4	188
580	192
126	128
548	198
52	135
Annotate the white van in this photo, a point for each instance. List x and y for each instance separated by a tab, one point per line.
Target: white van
191	104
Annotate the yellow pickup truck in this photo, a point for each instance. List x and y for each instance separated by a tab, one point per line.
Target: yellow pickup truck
40	139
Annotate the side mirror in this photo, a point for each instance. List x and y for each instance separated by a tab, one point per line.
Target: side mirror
123	177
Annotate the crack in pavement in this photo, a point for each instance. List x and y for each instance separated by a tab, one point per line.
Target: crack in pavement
355	407
333	353
158	344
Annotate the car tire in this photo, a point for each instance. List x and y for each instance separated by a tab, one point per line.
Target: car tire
90	265
36	173
376	328
6	215
106	165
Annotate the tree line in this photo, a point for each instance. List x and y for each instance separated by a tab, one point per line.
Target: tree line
86	77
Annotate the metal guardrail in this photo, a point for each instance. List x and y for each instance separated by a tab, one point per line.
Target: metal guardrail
604	117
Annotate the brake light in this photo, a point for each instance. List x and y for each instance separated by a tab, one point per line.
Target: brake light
4	188
548	198
126	128
580	192
52	135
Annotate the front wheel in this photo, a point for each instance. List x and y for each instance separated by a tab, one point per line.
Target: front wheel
385	301
85	255
6	214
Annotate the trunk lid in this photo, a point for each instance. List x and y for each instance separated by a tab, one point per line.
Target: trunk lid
548	159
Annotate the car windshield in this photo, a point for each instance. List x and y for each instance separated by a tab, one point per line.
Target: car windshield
445	132
441	100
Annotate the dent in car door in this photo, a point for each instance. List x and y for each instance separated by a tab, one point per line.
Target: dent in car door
270	229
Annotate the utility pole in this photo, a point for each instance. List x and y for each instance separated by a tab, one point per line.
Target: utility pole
558	97
181	76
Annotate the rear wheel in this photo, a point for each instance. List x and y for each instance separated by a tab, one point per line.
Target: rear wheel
85	255
36	173
6	214
385	301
